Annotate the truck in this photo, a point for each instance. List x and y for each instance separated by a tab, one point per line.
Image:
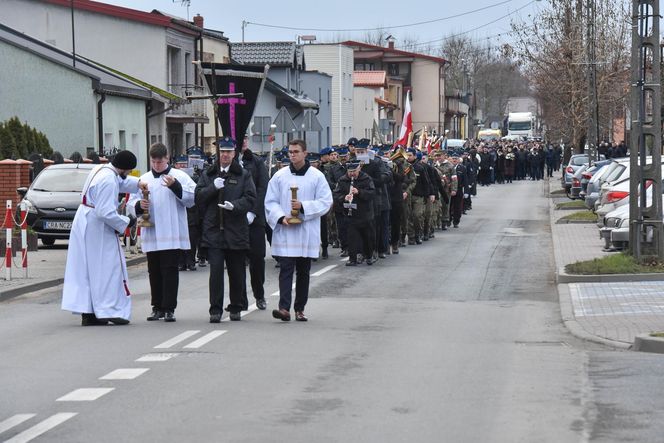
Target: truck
521	125
489	134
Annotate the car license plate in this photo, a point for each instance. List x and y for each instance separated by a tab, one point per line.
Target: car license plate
58	225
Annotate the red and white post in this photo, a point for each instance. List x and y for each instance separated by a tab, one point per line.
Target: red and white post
9	225
24	239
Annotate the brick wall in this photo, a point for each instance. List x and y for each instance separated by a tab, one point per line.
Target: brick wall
13	174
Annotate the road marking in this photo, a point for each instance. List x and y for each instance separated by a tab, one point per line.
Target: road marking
85	394
204	339
125	374
159	356
323	271
14	421
42	427
177	339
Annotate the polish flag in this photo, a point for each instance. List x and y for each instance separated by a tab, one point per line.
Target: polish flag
406	125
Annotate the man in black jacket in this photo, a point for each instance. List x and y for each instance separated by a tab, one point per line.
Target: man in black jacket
256	218
225	193
354	193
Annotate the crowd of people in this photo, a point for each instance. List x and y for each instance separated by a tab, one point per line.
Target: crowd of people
366	201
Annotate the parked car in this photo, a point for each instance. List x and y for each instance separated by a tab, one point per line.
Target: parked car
612	221
575	190
53	198
588	174
619	234
575	162
615	193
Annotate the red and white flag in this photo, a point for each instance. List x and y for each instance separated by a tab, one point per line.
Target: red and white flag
406	125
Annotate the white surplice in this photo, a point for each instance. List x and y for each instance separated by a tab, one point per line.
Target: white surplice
167	211
301	240
96	273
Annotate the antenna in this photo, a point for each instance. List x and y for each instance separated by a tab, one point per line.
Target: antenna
186	3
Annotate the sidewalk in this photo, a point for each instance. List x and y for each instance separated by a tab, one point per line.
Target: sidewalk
612	313
46	268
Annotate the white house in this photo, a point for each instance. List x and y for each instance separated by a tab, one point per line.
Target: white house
337	61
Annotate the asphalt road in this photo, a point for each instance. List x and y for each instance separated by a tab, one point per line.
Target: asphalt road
456	340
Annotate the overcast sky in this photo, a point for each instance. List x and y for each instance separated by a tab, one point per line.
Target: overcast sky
461	17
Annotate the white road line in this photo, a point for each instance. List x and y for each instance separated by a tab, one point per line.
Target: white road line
158	356
125	374
177	339
85	394
42	427
323	271
204	339
14	421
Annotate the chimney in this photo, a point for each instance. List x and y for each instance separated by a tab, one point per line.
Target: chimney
198	21
390	44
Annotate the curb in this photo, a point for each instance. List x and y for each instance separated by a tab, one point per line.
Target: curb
562	221
567	315
647	343
564	277
38	286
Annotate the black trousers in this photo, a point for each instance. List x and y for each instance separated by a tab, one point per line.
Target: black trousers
164	278
456	208
395	222
342	228
361	236
323	230
256	255
188	257
288	266
235	267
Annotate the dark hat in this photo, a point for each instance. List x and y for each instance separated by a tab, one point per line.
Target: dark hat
411	151
313	157
353	165
363	143
226	144
326	151
285	161
343	151
352	141
124	160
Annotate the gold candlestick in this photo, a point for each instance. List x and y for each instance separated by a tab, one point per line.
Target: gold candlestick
146	221
294	220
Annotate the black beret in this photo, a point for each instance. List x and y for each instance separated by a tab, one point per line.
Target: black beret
124	160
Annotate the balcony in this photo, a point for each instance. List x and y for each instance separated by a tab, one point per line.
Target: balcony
193	111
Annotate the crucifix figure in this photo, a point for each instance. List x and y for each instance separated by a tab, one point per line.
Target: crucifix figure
231	102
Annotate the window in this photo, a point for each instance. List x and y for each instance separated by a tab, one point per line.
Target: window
153	139
123	140
393	68
187	138
108	140
261	129
328	97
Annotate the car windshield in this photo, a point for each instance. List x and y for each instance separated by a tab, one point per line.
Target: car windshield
61	180
578	161
617	171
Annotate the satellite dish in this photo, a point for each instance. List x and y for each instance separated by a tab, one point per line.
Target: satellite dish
495	125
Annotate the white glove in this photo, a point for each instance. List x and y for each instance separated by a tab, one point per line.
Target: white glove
227	206
218	182
251	217
466	195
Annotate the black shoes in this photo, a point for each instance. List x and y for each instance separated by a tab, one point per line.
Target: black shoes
395	249
299	316
117	320
324	253
156	315
182	268
261	304
418	241
235	316
456	225
92	320
191	267
344	253
335	244
351	263
169	317
370	261
202	262
381	255
281	314
215	318
410	242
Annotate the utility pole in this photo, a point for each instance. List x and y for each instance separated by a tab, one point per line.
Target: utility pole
645	229
593	111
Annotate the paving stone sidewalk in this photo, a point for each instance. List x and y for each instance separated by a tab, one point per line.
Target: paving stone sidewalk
613	313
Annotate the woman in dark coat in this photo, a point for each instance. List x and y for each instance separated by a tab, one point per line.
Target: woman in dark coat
510	165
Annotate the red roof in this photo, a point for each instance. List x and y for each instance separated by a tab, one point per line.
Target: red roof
369	78
119	11
395	51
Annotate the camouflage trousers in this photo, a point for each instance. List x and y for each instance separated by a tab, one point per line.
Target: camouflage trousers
405	217
416	219
332	233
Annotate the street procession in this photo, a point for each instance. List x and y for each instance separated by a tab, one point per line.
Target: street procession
331	222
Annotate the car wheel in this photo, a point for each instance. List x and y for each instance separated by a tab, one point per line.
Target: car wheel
48	241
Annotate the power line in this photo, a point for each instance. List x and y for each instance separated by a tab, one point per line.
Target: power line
381	27
478	27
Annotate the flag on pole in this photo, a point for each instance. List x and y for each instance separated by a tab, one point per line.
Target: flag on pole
406	125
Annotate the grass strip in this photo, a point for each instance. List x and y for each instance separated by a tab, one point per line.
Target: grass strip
621	263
